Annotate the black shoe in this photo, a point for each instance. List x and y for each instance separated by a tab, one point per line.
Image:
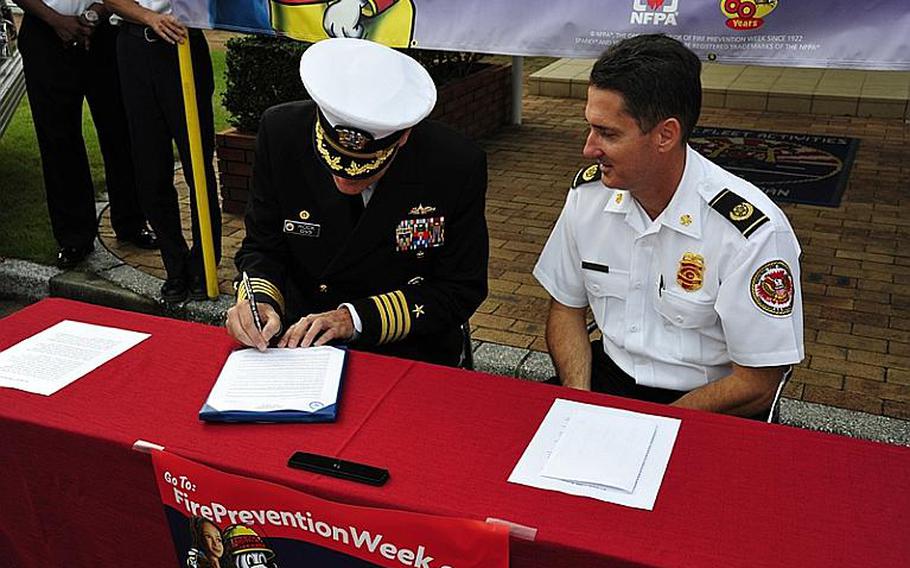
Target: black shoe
173	291
143	238
68	257
198	289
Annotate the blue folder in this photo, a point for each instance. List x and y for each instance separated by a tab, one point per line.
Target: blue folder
323	414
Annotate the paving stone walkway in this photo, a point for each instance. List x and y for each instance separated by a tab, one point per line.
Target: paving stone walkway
856	258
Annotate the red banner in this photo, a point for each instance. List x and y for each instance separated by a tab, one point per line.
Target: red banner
223	520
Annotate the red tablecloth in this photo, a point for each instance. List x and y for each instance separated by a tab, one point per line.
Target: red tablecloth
736	492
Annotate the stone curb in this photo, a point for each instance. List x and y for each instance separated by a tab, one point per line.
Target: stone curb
104	279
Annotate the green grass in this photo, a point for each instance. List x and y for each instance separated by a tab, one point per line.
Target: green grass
25	230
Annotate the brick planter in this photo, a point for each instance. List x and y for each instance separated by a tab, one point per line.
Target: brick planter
479	104
476	105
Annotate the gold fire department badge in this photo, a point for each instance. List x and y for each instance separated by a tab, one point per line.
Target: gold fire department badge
691	273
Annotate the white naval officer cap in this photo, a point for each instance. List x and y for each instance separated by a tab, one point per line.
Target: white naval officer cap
367	94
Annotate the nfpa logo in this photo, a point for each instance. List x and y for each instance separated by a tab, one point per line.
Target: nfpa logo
655	12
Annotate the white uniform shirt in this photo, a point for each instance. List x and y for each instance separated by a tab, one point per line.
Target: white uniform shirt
159	6
680	298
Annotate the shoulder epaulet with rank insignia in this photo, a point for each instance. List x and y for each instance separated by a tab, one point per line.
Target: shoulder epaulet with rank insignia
585	175
746	217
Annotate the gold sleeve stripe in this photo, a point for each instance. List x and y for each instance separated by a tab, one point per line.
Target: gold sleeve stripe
272	293
399	316
384	332
406	319
261	283
393	318
261	286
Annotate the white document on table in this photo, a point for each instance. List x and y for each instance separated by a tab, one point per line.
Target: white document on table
278	379
608	454
51	359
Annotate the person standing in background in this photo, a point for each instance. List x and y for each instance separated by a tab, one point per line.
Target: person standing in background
147	53
68	56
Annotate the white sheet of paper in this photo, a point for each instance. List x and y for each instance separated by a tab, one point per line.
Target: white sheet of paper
602	449
278	379
51	359
528	470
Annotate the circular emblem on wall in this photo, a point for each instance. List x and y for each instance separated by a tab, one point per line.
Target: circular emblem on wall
767	162
772	288
304	215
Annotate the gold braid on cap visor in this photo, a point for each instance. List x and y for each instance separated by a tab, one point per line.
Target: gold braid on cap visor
354	168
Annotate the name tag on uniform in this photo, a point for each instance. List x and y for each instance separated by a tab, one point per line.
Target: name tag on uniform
301	229
419	234
596	267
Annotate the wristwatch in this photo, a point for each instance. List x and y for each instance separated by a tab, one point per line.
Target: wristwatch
91	17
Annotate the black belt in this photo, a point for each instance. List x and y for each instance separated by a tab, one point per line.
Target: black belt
138	30
147	33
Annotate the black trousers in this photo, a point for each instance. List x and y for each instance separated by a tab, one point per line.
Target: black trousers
152	93
607	377
58	79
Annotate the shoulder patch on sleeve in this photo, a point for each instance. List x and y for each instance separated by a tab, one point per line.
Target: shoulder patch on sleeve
585	175
746	217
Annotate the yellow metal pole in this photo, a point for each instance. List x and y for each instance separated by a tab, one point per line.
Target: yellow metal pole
198	173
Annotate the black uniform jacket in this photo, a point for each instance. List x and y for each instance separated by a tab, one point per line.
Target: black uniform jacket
413	264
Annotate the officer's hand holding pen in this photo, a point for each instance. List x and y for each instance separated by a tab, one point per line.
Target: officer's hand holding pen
241	326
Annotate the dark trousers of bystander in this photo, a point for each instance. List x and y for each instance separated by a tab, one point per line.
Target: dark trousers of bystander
58	80
153	97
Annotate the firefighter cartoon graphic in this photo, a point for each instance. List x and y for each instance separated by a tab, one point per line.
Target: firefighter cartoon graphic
244	548
747	14
390	22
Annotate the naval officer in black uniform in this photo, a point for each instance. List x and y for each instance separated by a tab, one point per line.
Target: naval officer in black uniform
365	223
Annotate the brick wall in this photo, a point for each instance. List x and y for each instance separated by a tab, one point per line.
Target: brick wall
477	106
235	151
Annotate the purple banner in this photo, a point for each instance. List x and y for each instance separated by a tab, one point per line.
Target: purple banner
835	33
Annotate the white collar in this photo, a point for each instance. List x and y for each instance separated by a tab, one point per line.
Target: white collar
682	214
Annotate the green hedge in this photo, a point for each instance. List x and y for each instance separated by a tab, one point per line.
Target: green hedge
263	71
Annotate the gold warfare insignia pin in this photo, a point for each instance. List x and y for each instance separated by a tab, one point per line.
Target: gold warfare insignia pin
685	220
590	173
742	211
421	210
618	198
304	215
418	311
691	273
